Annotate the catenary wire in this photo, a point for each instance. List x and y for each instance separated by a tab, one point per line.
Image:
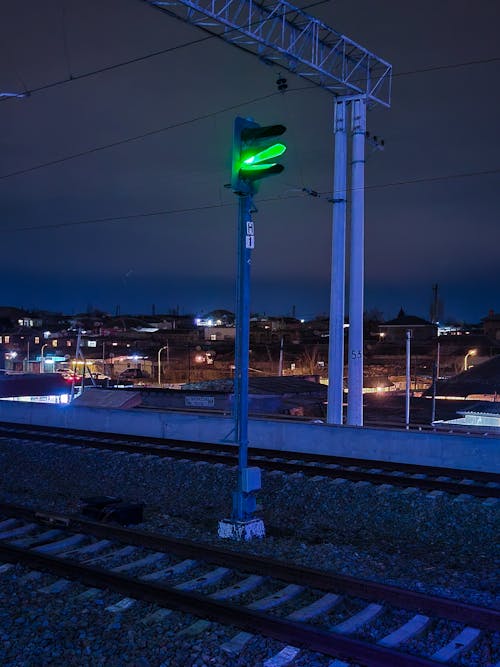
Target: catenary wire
137	137
192	209
131	61
197	118
436	68
201	117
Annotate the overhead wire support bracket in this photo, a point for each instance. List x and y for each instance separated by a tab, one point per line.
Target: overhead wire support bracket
278	32
13	94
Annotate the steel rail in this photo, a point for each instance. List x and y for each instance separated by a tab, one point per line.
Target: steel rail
315	639
229	457
430	604
256	451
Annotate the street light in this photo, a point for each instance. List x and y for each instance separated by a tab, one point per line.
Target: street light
28	357
470	353
42	358
165	347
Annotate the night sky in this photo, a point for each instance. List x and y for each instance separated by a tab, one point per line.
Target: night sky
148	220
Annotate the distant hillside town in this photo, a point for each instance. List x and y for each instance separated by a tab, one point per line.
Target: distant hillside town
173	349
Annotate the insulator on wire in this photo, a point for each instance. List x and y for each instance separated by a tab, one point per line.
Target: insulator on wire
281	83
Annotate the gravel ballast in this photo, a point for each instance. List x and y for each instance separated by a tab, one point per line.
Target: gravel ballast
432	543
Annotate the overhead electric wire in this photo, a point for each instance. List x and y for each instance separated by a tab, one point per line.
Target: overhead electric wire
436	68
196	118
154	54
116	218
431	179
109	68
137	137
201	117
191	209
124	63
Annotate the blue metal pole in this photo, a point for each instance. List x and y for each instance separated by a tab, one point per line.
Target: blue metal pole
337	289
356	282
245	243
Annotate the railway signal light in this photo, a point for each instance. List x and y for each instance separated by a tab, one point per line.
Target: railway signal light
254	154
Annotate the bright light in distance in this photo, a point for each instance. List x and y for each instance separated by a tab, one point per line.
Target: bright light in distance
201	322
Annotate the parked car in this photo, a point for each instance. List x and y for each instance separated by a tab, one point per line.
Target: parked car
100	376
133	374
70	375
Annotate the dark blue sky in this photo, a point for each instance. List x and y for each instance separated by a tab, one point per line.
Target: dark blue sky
442	123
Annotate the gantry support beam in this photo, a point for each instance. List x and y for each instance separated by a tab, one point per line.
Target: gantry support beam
278	32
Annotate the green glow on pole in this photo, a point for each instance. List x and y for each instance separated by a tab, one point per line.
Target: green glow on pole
267	154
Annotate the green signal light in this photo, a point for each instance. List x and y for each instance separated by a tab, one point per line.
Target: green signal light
255	156
257	167
267	154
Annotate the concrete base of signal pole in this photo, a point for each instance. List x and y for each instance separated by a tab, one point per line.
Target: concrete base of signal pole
243	525
233	529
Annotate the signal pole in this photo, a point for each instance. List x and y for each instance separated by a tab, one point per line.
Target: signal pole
245	243
254	152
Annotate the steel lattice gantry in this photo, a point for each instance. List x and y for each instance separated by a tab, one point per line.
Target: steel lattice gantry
277	32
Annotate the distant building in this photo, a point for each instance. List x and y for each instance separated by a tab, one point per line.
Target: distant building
219	333
395	330
478	383
491	326
216	318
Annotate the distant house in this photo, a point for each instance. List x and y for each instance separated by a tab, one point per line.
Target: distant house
266	329
491	326
479	383
216	318
395	330
219	333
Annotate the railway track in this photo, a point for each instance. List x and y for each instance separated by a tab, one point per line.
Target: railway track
477	484
304	609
